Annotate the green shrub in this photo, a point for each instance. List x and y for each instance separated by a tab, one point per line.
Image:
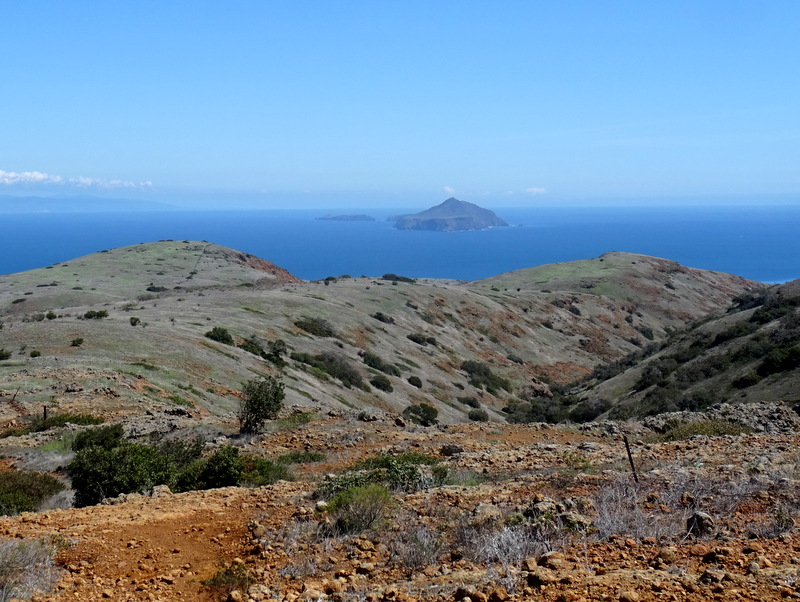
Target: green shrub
379	381
258	472
4	355
418	338
481	376
99	473
25	491
382	317
358	509
333	364
376	362
396	278
708	428
36	353
470	401
134	321
181	452
423	414
40	424
415	381
262	399
316	326
224	468
226	580
251	345
107	437
95	314
220	334
76	342
747	380
479	415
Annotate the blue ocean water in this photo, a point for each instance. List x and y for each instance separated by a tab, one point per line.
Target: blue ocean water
760	243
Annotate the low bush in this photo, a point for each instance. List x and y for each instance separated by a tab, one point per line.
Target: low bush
95	314
708	428
25	491
99	473
316	326
358	509
382	317
421	339
259	472
481	376
107	437
76	342
423	414
376	362
379	381
226	580
333	364
469	401
41	424
415	381
221	335
479	415
396	278
4	355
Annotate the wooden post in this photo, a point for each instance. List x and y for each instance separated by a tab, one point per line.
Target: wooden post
630	458
44	412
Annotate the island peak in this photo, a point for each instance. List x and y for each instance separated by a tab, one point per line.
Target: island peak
449	216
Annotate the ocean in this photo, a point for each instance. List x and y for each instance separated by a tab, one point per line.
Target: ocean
760	243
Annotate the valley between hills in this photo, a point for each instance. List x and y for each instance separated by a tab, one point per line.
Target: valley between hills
485	419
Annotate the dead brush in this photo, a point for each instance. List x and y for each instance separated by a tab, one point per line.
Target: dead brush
660	509
621	511
26	567
510	542
416	545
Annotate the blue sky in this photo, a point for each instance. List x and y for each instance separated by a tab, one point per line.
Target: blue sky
401	103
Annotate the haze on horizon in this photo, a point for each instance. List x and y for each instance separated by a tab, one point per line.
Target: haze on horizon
359	104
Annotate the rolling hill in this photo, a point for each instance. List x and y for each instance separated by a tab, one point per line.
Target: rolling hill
148	347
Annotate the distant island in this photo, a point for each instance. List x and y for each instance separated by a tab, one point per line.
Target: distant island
450	216
348	218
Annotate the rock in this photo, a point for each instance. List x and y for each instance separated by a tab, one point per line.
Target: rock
552	560
450	449
541	576
487	513
629	596
712	575
700	524
668	554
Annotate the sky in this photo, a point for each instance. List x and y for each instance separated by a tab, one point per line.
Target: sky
399	103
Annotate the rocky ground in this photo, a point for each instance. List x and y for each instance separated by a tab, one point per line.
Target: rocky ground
511	513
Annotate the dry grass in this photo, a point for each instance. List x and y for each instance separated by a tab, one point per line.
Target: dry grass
26	567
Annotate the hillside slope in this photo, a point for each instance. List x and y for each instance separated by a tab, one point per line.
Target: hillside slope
150	351
750	353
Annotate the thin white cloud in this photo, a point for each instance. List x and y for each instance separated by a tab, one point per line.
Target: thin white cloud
536	190
449	189
38	178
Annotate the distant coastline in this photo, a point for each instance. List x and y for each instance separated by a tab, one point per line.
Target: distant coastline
347	218
755	242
